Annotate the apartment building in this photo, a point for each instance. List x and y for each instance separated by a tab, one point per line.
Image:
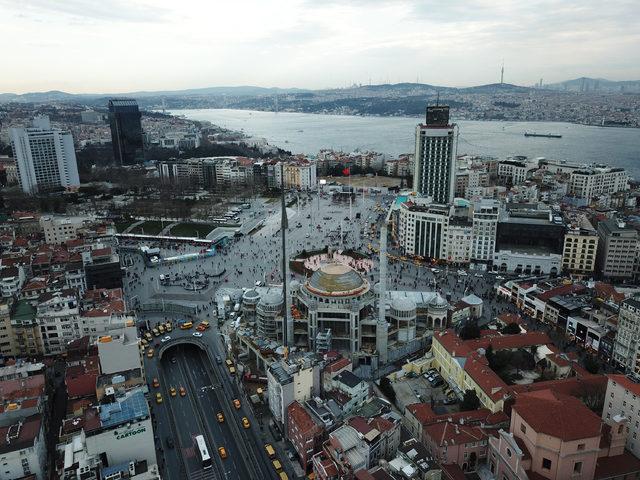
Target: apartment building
580	248
58	315
58	230
617	249
435	156
514	172
485	227
626	346
423	229
45	157
593	182
290	380
622	399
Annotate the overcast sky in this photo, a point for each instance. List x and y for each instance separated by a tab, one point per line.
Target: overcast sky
111	46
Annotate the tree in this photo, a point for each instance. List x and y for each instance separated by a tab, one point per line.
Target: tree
470	330
489	355
591	364
387	388
470	401
511	329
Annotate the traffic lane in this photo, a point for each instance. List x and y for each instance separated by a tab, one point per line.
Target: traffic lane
249	439
169	458
220	433
184	415
251	436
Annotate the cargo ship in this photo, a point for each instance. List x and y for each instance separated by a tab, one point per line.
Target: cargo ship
546	135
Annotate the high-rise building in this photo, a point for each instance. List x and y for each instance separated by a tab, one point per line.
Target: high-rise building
126	131
435	156
45	157
617	249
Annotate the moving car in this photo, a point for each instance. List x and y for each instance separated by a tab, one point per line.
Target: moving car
183	392
166	339
197	334
155	332
277	465
150	353
223	452
245	422
169	442
236	403
168	326
270	450
156	383
220	417
158	397
172	391
186	325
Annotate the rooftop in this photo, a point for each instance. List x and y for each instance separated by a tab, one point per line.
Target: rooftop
336	279
134	406
557	415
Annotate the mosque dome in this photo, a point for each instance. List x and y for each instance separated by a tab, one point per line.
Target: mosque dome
336	279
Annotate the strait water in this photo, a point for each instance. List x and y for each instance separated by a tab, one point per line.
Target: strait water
308	133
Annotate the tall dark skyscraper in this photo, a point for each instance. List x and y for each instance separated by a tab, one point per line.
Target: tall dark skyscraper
126	131
434	170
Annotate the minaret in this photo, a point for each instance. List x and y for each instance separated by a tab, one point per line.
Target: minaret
381	327
287	323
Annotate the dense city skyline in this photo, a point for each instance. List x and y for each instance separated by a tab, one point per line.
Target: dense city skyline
86	47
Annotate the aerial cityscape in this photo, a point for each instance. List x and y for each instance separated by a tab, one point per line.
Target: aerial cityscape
390	263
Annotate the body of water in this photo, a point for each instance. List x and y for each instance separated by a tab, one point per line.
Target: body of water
308	133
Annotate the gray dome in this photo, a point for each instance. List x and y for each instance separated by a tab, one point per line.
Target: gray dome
438	302
250	295
472	300
403	304
333	278
271	298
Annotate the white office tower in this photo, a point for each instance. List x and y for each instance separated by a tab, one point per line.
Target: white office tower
45	157
435	158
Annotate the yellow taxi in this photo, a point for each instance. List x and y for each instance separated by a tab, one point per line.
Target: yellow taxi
158	397
172	391
245	422
223	452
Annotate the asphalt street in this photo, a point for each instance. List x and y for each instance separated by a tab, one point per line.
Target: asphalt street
209	389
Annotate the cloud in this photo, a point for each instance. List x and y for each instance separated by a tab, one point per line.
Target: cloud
313	43
95	10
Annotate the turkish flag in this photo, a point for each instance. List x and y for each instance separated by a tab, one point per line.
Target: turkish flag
345	172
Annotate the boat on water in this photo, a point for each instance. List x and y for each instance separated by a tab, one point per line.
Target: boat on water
545	135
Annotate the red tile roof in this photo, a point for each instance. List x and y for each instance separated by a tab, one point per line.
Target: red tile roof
557	415
422	411
337	365
617	466
562	290
445	433
29	431
82	385
299	416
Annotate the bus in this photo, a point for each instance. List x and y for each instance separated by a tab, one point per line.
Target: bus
204	453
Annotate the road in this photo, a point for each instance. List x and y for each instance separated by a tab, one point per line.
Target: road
209	389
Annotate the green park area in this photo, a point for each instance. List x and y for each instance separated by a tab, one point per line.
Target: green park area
199	230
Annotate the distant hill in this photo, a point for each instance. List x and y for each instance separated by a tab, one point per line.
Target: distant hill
58	96
585	84
228	97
